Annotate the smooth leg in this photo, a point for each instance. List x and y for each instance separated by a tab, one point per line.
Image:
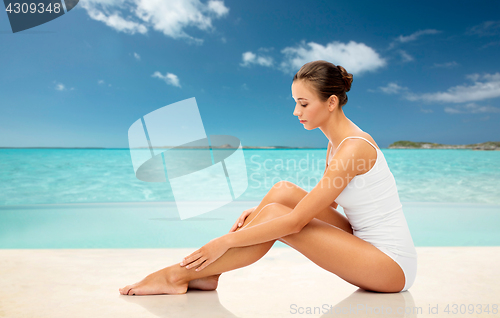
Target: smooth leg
288	194
175	279
349	257
340	252
331	246
283	192
373	269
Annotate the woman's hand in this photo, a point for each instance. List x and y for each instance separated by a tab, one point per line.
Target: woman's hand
206	255
239	222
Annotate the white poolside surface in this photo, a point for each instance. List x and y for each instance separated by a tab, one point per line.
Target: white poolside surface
84	283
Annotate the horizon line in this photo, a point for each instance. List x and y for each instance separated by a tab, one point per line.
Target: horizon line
259	147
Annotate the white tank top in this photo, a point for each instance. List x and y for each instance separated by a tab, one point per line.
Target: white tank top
372	206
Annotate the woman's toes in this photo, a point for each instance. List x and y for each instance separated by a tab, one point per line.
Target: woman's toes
157	283
124	290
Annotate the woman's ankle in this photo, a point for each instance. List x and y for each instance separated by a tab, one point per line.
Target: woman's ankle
177	274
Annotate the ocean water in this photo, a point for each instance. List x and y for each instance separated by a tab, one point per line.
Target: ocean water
157	225
75	198
49	176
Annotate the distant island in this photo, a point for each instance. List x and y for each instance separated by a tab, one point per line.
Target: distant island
406	144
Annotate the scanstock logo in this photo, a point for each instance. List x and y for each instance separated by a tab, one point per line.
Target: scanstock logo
170	145
29	14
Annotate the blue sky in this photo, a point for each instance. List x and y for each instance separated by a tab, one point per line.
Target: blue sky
423	70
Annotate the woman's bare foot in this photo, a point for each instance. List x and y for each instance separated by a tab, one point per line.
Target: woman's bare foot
163	281
205	283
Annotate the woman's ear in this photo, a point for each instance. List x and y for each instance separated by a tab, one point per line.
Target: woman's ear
332	102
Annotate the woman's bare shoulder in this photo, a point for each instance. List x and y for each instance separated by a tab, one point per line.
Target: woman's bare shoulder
367	136
360	133
361	150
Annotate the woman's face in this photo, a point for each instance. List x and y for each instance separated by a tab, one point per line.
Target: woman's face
310	110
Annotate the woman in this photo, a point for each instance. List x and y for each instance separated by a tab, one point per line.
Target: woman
372	248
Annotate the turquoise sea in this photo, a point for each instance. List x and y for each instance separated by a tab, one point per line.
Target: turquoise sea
84	198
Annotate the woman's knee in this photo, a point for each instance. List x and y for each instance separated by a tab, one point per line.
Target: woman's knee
284	184
268	212
273	210
256	214
286	193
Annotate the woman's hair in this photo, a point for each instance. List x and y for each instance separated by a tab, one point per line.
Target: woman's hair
327	79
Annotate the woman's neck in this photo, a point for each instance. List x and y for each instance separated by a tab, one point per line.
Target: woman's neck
339	127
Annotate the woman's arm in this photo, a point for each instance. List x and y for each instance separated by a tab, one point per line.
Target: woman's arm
263	232
340	172
327	156
334	204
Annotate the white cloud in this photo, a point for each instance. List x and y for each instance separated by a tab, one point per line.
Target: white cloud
102	82
494	43
355	57
218	8
169	78
472	108
488	28
416	35
393	88
406	57
60	87
412	37
484	87
170	17
473	77
137	56
252	58
114	20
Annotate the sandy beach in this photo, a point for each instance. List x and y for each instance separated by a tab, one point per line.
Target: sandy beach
284	283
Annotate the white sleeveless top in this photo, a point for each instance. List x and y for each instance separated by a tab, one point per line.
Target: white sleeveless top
371	204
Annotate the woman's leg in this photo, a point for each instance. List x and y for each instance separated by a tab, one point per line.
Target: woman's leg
175	279
288	194
285	193
349	257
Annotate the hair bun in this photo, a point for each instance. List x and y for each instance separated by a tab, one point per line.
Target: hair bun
327	79
347	77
